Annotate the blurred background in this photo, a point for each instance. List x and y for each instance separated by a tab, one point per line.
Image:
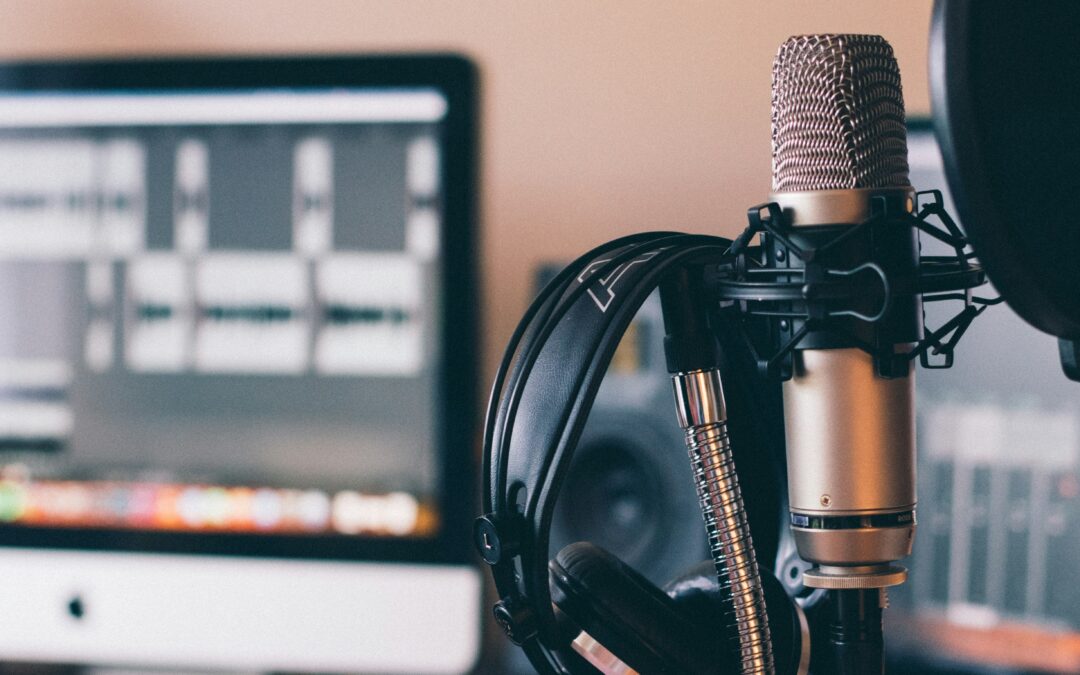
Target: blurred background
597	120
601	119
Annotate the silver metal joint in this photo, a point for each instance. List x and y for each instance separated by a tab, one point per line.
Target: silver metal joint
855	577
699	398
828	207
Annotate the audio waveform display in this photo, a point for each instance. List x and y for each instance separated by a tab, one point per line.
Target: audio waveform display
71	198
33	409
262	313
200	309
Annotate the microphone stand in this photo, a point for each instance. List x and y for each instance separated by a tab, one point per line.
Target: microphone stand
856	631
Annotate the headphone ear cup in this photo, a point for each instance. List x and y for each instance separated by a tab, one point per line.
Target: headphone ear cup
628	615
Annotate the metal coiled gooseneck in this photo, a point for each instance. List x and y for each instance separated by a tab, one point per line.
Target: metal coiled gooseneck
703	416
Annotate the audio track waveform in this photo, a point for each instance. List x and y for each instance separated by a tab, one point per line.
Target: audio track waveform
248	313
273	313
341	315
75	201
345	315
68	198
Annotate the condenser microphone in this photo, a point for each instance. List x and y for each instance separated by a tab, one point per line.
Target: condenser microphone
839	157
839	150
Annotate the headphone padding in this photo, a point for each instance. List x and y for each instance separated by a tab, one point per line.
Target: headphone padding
627	614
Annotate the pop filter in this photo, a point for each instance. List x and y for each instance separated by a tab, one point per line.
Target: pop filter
1005	89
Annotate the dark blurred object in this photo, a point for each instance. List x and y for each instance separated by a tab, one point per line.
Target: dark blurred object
999	498
1005	84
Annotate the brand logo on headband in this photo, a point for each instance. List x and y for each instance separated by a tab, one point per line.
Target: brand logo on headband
603	291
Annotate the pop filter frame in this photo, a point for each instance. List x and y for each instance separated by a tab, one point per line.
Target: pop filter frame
1004	80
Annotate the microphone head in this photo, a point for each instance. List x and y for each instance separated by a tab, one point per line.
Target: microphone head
837	115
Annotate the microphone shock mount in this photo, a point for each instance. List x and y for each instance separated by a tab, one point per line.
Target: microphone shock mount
843	285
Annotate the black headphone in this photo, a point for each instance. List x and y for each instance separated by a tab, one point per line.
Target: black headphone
541	397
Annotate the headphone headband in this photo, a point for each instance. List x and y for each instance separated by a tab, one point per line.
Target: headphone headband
566	341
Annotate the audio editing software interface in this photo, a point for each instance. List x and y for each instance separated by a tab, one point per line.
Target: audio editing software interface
218	311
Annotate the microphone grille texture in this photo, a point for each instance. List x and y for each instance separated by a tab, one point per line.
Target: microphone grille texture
837	115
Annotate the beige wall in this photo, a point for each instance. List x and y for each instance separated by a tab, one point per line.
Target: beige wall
600	118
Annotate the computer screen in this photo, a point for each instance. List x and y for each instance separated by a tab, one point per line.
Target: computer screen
236	310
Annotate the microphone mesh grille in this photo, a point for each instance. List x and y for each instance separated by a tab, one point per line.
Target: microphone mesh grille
837	115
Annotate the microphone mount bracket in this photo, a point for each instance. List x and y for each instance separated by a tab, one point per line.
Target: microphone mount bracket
863	285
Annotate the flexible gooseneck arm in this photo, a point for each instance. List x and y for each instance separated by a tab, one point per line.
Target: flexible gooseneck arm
703	417
702	413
